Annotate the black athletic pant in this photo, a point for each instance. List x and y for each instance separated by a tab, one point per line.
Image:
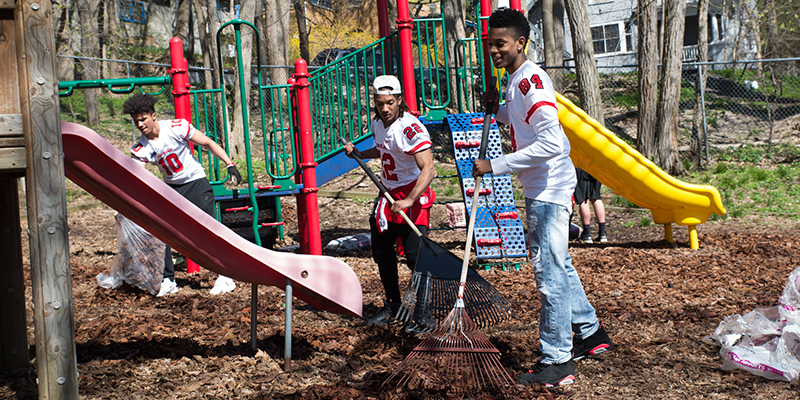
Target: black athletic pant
200	193
384	254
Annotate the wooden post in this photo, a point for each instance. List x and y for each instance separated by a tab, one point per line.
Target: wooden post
47	223
13	328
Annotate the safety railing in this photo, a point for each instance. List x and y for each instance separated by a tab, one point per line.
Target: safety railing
207	116
340	103
468	75
279	133
432	75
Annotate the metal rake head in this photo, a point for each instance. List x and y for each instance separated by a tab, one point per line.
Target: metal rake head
457	356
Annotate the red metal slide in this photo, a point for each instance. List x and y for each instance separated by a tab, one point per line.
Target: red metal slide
110	175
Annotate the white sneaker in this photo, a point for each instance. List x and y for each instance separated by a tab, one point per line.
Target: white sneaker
223	285
168	287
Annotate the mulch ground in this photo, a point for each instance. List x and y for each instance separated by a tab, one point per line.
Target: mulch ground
657	301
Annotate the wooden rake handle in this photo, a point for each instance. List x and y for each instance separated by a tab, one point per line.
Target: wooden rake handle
487	122
384	191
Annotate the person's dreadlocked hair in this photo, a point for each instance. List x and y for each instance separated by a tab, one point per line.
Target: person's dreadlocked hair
140	103
511	19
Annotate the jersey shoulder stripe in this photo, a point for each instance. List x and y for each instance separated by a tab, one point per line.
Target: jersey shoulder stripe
419	147
536	107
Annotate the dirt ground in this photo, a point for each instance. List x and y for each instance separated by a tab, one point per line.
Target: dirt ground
657	301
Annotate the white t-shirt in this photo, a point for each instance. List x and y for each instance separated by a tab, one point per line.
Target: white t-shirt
171	152
398	143
540	148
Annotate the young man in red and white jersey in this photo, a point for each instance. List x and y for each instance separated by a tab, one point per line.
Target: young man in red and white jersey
402	143
568	325
168	145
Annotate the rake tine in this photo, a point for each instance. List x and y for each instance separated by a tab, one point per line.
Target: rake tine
409	298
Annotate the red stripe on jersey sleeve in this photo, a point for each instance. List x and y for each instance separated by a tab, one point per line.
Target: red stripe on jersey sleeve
417	147
188	131
536	107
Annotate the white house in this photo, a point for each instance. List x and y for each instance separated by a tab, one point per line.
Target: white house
613	26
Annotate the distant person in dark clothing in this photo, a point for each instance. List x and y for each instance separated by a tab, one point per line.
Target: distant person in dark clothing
588	191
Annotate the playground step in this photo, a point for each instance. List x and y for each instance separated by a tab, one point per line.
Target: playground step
499	233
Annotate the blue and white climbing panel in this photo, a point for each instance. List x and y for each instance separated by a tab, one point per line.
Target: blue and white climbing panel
499	233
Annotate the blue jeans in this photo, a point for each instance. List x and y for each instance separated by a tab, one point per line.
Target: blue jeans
565	308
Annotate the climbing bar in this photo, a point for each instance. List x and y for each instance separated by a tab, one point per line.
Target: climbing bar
507	215
490	242
467	145
269	224
478	121
484	192
269	187
234	209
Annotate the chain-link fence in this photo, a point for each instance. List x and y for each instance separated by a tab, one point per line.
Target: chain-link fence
743	104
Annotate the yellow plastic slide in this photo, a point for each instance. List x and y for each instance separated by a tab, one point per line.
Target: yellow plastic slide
602	154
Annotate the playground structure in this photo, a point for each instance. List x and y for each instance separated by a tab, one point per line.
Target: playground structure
300	122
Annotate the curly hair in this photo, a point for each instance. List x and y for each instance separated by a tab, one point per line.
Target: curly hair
511	19
140	103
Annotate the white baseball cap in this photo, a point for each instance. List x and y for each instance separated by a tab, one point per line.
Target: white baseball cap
386	81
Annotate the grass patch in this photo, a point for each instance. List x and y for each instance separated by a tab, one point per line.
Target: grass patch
749	189
620	201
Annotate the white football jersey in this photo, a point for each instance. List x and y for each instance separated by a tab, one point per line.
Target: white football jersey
398	143
171	152
541	149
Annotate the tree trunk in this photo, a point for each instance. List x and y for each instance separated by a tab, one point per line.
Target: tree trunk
666	142
698	128
111	28
454	26
237	138
88	11
553	31
202	26
277	30
300	13
772	30
647	52
62	26
182	22
585	65
213	26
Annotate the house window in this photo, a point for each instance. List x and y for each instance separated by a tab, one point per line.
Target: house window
608	38
326	4
132	11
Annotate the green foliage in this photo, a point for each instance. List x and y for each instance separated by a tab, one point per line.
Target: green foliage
628	98
73	108
645	222
620	201
746	188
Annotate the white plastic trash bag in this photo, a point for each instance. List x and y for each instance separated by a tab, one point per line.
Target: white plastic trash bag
139	261
358	242
765	341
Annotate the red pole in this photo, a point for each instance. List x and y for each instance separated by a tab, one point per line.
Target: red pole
180	80
383	18
180	92
486	10
302	225
516	5
310	240
404	24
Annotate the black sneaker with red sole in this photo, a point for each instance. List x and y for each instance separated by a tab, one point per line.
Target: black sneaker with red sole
597	343
549	375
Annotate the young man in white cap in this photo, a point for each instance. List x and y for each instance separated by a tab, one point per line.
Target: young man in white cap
403	144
